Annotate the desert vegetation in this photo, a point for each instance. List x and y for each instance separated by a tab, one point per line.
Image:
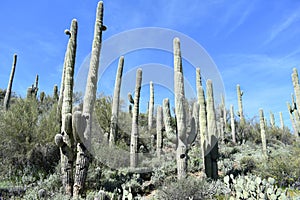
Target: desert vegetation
53	148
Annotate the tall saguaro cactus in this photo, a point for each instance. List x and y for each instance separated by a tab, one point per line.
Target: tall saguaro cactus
82	122
292	119
232	124
211	156
263	132
180	111
10	82
151	107
65	140
115	103
159	130
240	104
135	120
272	119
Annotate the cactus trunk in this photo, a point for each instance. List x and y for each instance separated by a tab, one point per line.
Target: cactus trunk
263	132
240	104
135	121
211	157
232	124
115	104
10	82
180	111
151	107
159	130
281	120
82	160
272	119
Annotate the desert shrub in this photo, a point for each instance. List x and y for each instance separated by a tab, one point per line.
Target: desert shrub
190	188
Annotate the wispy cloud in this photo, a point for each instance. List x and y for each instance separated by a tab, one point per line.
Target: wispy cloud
284	25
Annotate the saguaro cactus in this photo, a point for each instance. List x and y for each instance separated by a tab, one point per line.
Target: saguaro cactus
232	124
32	91
223	111
10	82
272	119
115	104
151	107
293	121
65	140
55	92
281	120
240	104
211	156
82	122
135	120
202	115
263	132
180	111
159	130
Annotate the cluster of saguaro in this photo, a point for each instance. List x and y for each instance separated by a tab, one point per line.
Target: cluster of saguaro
75	135
240	104
208	127
32	91
135	120
263	132
115	104
10	82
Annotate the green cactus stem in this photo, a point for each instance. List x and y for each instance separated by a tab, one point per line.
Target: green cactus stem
263	132
232	124
10	82
83	157
240	104
65	139
115	104
42	96
134	126
159	130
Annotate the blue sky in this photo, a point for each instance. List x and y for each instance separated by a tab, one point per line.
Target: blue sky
253	43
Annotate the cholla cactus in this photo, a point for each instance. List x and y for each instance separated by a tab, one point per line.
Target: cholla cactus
263	132
10	82
115	104
232	124
240	104
135	116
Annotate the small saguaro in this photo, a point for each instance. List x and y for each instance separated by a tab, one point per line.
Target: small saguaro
240	104
263	132
232	124
10	82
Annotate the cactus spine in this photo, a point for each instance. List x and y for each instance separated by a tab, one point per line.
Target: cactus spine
151	107
181	156
240	104
65	139
159	130
10	82
135	121
232	124
281	120
82	160
115	104
263	132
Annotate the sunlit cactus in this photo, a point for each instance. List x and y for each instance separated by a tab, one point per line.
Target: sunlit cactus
135	120
240	105
115	104
263	132
10	82
232	122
